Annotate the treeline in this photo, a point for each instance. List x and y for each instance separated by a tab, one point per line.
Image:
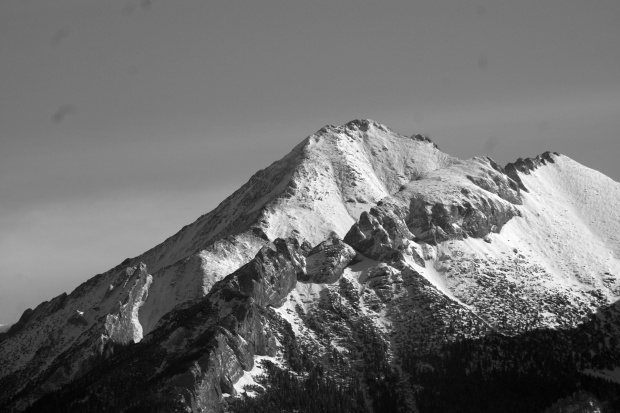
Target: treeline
288	392
508	374
130	401
359	381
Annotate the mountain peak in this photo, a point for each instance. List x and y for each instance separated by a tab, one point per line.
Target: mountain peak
362	253
369	128
362	125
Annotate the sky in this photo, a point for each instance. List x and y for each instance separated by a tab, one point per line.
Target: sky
123	120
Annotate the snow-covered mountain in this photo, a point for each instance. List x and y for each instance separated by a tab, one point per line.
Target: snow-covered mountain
367	268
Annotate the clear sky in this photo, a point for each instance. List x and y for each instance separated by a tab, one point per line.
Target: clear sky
123	120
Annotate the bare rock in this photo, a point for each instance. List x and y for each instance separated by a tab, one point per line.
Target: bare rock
326	262
384	280
382	234
270	276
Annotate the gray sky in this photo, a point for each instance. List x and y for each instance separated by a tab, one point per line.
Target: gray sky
121	121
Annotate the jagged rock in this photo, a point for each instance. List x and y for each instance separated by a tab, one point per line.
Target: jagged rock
423	138
527	165
270	276
473	198
477	200
437	222
384	280
203	349
497	182
382	234
124	326
326	261
349	291
230	349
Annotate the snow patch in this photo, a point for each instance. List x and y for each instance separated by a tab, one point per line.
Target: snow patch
304	296
249	377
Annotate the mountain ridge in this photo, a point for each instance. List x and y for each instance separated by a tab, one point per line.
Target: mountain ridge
381	222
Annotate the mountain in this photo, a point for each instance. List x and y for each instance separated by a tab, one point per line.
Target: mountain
364	271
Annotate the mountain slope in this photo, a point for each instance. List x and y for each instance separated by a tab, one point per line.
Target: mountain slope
363	253
310	193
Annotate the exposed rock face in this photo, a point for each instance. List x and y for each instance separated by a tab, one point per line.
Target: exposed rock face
210	362
270	276
326	262
124	327
423	138
194	276
527	165
477	199
382	234
384	280
451	207
437	222
199	352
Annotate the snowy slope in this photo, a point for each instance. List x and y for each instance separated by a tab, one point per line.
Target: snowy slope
563	249
344	171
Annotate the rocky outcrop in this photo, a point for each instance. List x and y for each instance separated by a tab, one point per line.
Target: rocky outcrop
470	199
198	352
326	262
527	165
423	138
496	181
384	280
473	198
382	233
437	222
269	277
193	277
210	362
124	326
241	331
